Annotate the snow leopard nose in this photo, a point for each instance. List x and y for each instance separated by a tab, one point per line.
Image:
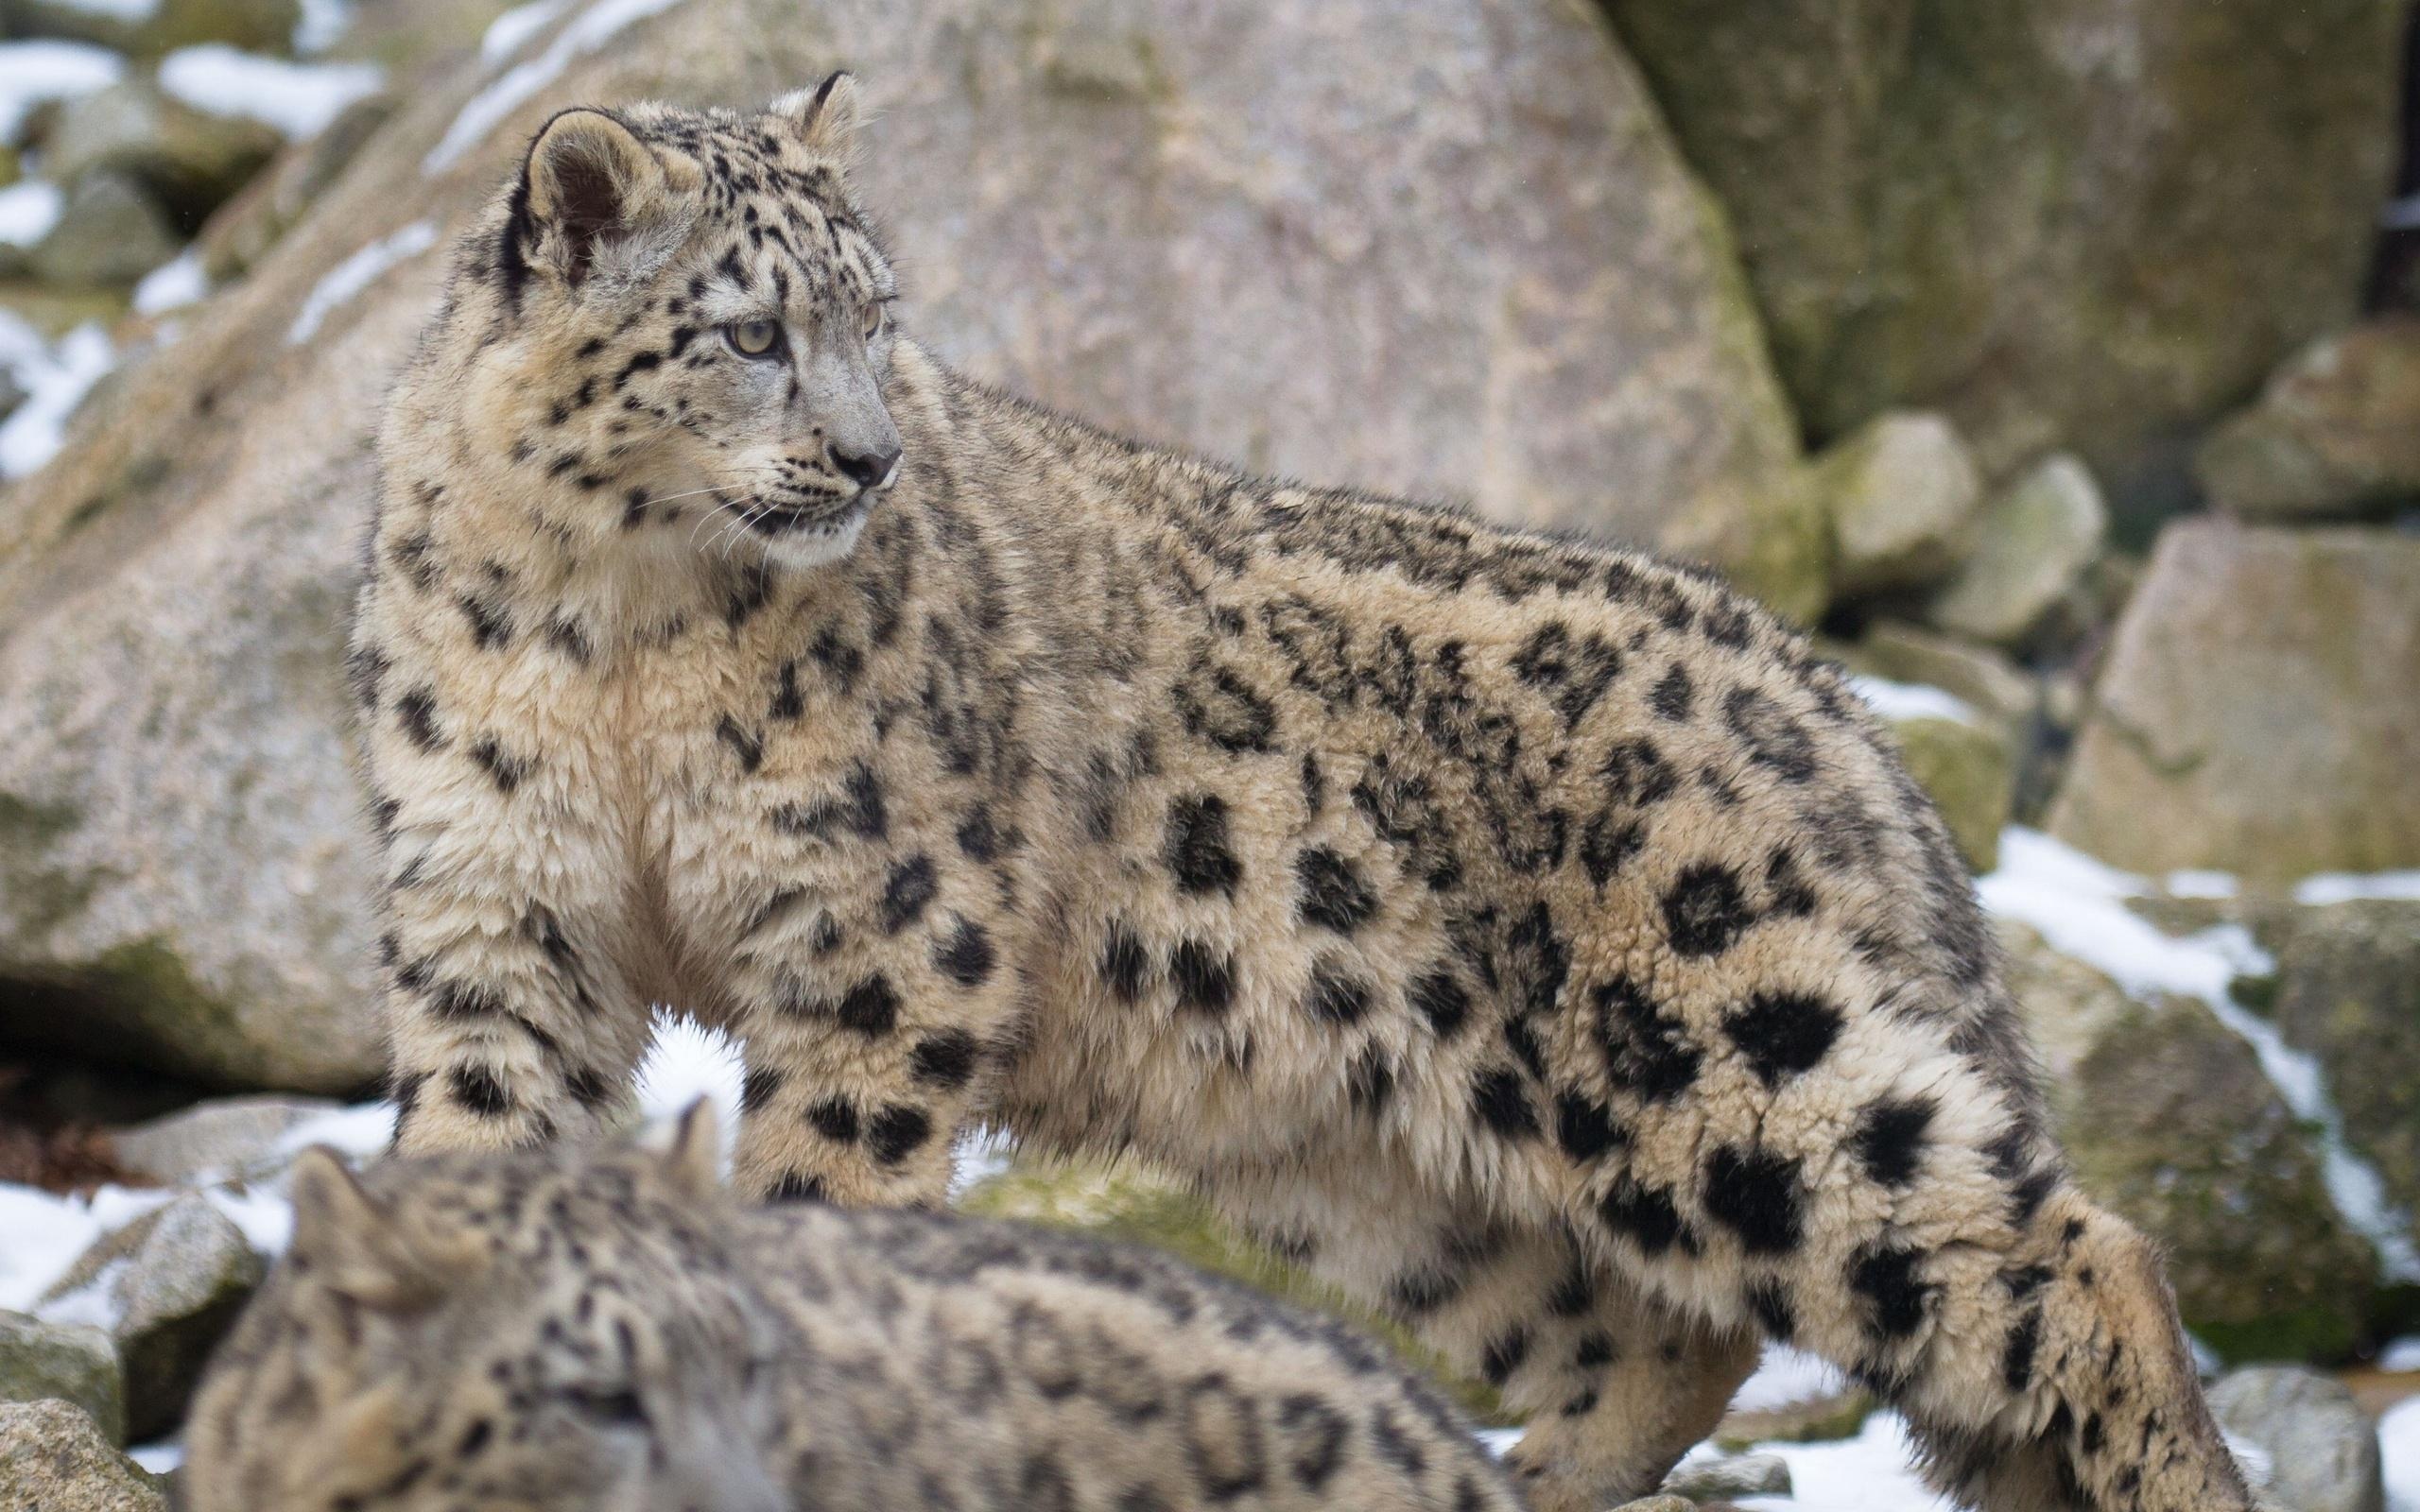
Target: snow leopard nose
870	470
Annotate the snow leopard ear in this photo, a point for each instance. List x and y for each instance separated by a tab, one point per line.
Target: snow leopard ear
346	1241
825	118
591	189
693	1163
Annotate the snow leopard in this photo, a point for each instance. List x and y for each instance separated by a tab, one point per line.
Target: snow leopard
1535	940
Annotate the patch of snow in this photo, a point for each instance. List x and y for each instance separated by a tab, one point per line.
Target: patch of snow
130	11
507	32
482	112
687	1061
2399	1451
28	209
980	1153
92	1304
2401	1355
357	1132
35	73
1872	1472
1498	1440
1786	1377
2259	1470
1911	700
298	99
172	285
264	1217
2199	884
322	24
55	379
356	273
2354	887
158	1458
2078	906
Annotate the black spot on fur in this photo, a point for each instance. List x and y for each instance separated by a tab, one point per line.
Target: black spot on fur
758	1089
1335	996
797	1186
1674	695
1768	1300
1333	894
747	746
480	1091
1221	709
966	956
1314	1435
507	771
1646	1054
1774	739
1643	1214
1757	1194
945	1059
1125	964
1783	1034
1585	1128
1607	843
1441	1001
1197	850
1503	1355
836	1119
860	811
979	838
909	890
1704	912
1205	978
1887	1279
896	1132
2016	1355
871	1008
1497	1099
416	712
1889	1139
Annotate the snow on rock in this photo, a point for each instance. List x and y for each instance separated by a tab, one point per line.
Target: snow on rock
588	30
158	1458
2349	886
1872	1472
1911	700
320	24
298	99
1786	1377
172	285
507	32
355	273
2401	1355
28	209
35	73
40	1235
2078	906
55	380
2399	1454
357	1132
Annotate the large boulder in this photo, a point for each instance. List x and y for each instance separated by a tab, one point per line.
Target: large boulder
2029	550
1898	493
74	1363
257	25
2259	709
2322	1448
2337	431
112	231
190	160
1497	280
2090	223
2347	992
167	1286
2171	1120
53	1459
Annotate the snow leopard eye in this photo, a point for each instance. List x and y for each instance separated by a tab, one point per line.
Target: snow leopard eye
754	338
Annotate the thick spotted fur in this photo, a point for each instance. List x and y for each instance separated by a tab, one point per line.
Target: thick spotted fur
1531	937
591	1332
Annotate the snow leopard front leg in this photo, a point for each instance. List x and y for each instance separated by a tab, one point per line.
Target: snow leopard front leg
872	997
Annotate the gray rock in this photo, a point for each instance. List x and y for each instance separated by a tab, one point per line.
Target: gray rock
2257	712
1659	1503
2337	431
73	1362
2347	991
2171	1122
1500	279
1969	769
2030	546
1982	676
247	226
189	159
53	1459
1900	494
233	1136
2322	1448
173	1281
255	25
2014	214
1717	1480
110	231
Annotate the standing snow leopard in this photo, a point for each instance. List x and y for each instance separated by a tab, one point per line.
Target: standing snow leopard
1531	938
579	1331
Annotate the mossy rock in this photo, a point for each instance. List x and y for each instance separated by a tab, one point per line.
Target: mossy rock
1132	1204
1969	770
72	1362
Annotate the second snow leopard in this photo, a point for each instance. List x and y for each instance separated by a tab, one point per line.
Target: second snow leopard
1531	937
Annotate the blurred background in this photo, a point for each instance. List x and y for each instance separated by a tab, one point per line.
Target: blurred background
2057	364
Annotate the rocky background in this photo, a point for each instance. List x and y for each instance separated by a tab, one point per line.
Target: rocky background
2057	364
